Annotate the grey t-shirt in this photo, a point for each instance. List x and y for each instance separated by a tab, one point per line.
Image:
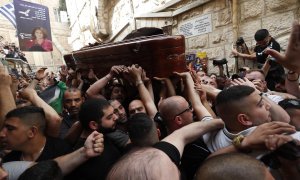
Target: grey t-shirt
16	168
119	138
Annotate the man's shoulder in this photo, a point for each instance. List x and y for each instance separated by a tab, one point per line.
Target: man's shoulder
12	156
58	145
275	45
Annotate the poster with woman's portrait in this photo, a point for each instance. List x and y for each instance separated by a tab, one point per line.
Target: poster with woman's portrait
33	26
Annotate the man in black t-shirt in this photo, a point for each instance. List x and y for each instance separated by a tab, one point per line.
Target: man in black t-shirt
96	114
263	41
23	133
162	160
72	101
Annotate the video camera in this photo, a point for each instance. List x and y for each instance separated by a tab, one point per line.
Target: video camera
220	62
240	41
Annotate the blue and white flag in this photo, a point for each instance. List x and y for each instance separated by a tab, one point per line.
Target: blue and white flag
8	11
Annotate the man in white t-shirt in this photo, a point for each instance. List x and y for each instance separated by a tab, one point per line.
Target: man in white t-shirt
242	108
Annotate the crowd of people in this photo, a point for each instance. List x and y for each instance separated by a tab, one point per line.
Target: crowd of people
10	50
124	125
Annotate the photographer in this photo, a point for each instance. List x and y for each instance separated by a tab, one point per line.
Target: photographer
264	40
220	63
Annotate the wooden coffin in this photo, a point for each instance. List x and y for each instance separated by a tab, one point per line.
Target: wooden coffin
159	55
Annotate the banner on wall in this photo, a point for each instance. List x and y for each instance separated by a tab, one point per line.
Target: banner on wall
197	61
196	26
33	26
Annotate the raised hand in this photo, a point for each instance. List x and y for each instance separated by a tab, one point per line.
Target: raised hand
195	77
94	145
40	74
27	93
274	141
181	75
234	52
144	76
243	81
63	71
92	75
201	92
135	72
256	140
78	78
5	79
116	70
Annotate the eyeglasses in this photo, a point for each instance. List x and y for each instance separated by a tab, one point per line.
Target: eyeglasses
190	108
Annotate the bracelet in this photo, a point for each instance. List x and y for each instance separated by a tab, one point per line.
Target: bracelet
137	83
237	142
291	72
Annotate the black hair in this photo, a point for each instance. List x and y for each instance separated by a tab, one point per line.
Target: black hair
44	170
44	31
92	110
261	34
72	89
233	93
140	128
30	115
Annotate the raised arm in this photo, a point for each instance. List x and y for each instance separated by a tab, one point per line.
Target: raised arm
166	82
202	94
191	132
277	113
52	118
193	96
7	102
95	89
136	75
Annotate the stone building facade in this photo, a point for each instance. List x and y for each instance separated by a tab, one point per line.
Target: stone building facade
112	20
60	32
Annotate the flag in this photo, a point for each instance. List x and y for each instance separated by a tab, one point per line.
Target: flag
8	11
53	96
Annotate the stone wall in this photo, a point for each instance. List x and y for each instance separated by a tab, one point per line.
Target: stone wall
60	33
275	15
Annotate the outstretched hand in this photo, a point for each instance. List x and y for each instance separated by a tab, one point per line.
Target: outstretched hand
201	91
5	78
275	141
40	73
256	140
116	70
242	81
135	72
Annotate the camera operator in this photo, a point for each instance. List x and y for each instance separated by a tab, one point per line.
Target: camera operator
264	40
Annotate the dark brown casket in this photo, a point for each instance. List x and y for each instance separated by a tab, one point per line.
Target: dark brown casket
159	55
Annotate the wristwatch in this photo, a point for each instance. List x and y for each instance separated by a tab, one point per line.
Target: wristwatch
237	142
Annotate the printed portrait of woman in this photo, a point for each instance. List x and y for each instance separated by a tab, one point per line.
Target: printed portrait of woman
39	41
